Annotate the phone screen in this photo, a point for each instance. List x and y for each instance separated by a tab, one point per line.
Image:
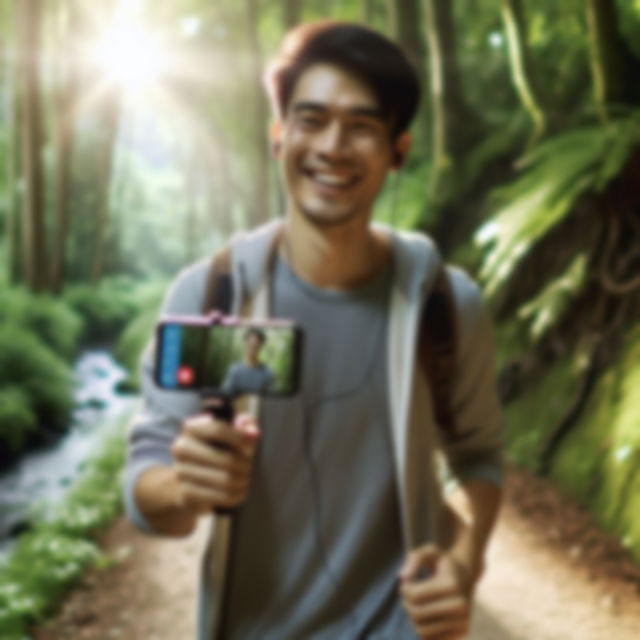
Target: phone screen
234	359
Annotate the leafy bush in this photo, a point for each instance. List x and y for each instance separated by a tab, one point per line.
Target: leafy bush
17	418
49	559
41	376
108	308
133	340
51	320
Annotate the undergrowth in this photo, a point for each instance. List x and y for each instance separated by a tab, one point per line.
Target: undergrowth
55	553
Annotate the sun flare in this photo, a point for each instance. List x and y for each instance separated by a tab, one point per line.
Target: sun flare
131	56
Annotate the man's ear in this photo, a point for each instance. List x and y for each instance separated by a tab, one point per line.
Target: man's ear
275	135
401	147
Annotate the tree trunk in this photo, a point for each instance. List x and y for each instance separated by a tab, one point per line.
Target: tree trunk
613	66
13	233
292	11
111	117
404	20
34	246
65	109
368	11
521	68
455	125
259	198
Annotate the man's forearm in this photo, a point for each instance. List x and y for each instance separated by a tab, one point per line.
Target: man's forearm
157	496
477	503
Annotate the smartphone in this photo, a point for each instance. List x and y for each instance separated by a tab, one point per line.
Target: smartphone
228	356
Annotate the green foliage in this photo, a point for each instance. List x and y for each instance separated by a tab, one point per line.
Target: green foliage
42	376
558	173
598	464
51	320
531	416
547	308
108	308
403	202
50	558
17	418
135	337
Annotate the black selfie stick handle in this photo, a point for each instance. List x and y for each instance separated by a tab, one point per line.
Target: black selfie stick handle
222	409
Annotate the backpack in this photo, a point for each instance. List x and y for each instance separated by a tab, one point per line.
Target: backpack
437	341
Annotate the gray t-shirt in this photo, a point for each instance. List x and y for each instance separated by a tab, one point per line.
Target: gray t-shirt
242	378
317	546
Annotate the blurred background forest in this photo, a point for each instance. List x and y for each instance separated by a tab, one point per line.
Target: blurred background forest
133	141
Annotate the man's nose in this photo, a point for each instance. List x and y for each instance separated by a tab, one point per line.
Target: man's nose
331	140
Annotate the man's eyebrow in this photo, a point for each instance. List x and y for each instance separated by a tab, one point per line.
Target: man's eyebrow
370	112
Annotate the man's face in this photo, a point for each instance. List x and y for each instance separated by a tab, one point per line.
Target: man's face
252	346
336	147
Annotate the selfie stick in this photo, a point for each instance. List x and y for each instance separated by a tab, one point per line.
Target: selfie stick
221	409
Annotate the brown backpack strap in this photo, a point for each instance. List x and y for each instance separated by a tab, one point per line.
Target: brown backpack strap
438	348
218	294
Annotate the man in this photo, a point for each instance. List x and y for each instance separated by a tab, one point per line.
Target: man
250	375
341	530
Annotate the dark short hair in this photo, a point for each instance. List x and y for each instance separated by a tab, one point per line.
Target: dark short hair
254	331
370	56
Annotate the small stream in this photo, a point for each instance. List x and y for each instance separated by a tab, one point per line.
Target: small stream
44	476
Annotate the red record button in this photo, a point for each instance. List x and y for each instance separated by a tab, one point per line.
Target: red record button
185	376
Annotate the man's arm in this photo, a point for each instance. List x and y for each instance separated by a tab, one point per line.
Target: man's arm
441	604
475	505
437	584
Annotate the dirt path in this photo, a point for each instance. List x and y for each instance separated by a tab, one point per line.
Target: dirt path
551	577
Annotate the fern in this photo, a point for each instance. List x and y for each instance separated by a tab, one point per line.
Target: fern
547	308
557	174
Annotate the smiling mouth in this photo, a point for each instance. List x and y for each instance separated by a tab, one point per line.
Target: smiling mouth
330	180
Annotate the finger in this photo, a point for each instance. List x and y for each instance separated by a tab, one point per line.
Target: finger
424	556
204	500
185	449
430	590
247	425
448	609
443	630
210	431
217	479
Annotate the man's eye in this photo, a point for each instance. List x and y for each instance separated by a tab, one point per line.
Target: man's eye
363	127
310	121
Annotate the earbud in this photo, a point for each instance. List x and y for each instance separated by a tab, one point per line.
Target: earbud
398	159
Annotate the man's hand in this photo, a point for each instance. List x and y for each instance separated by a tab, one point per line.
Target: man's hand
214	461
436	591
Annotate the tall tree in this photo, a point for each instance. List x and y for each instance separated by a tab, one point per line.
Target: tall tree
65	107
521	67
367	11
11	77
404	25
405	20
292	11
455	125
110	117
614	67
259	202
34	245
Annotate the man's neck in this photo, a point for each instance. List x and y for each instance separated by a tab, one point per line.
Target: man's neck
334	257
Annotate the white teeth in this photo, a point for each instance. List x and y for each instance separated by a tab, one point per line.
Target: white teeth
331	180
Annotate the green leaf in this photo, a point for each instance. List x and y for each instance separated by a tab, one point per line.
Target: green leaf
557	173
547	308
